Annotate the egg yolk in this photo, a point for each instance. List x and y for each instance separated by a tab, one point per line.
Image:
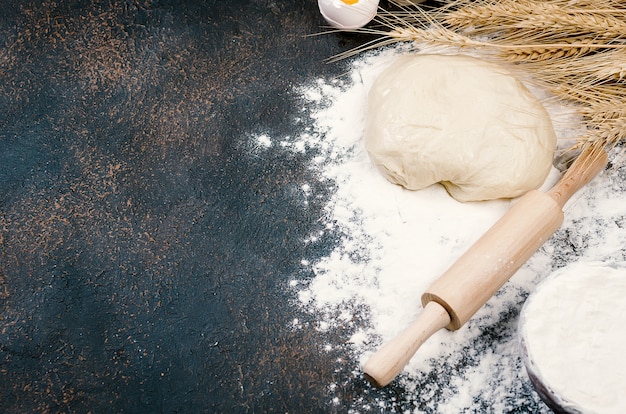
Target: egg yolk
350	1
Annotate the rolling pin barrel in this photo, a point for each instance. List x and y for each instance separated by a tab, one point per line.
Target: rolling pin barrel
491	261
486	266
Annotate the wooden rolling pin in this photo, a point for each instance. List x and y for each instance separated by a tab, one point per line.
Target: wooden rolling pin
485	266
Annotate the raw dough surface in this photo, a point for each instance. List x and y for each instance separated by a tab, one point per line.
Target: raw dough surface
459	121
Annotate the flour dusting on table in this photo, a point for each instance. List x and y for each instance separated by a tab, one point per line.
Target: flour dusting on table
395	242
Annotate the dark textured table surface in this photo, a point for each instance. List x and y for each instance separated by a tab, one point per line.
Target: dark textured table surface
145	250
142	253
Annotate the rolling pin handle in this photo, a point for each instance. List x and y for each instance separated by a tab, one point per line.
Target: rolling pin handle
392	357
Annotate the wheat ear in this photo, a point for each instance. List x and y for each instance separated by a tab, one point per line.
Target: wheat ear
529	18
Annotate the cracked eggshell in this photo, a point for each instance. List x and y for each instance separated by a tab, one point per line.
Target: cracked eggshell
348	14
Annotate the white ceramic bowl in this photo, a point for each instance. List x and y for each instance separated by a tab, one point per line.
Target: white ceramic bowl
572	335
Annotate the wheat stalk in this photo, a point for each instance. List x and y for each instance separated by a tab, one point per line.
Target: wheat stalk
567	49
511	51
526	18
609	66
435	35
582	94
602	111
608	132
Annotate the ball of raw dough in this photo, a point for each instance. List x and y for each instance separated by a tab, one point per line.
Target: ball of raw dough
459	121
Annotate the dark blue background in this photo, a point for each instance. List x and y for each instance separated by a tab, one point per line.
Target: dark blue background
144	251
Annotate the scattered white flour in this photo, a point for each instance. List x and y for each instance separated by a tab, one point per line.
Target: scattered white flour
264	140
395	242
